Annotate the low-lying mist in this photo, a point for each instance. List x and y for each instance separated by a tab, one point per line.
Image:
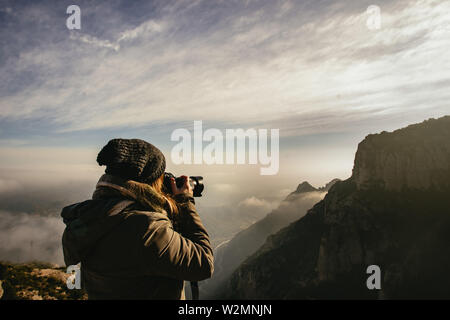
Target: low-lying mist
31	202
30	206
230	254
28	237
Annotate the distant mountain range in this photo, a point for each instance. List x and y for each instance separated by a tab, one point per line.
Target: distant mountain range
394	212
223	222
229	255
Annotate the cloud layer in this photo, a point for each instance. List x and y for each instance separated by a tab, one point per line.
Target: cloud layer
25	237
306	66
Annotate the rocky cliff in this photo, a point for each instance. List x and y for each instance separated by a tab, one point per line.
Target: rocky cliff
394	212
416	157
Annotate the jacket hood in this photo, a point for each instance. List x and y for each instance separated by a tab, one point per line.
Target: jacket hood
110	186
87	222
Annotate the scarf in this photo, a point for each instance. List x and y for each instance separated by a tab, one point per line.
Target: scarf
144	195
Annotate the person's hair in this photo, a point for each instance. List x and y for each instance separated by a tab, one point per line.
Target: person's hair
157	185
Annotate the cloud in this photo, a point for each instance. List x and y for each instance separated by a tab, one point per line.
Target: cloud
145	28
256	204
6	10
30	204
9	185
44	191
223	187
95	41
256	63
25	238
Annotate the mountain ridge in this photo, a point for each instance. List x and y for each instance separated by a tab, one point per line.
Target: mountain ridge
415	157
403	228
229	255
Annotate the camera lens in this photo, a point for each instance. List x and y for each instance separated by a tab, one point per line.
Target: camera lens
196	183
198	187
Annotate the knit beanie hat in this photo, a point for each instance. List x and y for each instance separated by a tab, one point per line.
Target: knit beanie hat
132	159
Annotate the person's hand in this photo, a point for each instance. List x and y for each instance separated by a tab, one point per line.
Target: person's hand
186	187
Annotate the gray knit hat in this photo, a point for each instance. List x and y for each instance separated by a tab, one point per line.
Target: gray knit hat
132	159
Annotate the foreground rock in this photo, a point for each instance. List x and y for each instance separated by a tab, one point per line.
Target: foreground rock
35	281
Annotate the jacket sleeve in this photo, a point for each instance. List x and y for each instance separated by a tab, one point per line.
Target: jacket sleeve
70	255
184	255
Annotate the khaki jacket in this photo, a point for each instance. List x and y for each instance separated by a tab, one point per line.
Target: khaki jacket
129	253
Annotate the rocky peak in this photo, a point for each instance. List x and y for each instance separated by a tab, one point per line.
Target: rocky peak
325	254
305	187
415	157
329	185
302	188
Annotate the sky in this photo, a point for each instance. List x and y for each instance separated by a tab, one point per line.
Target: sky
141	69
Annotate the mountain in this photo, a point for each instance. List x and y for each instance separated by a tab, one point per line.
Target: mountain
303	187
229	255
416	157
393	212
223	222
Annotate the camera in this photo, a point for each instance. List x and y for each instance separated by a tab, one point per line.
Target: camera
196	183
